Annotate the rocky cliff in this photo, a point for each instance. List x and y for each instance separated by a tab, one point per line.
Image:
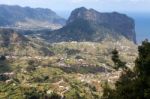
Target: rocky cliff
91	25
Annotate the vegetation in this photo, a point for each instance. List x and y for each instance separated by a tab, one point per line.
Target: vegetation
43	65
115	58
2	58
33	93
76	70
4	65
133	84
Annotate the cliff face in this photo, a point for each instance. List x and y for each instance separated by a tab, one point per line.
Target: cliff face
119	23
29	18
91	25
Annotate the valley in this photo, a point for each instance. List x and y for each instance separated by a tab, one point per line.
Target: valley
72	60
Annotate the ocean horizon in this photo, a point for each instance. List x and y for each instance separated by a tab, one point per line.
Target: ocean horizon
142	25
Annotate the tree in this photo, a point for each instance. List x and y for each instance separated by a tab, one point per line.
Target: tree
31	62
55	96
143	61
2	58
31	66
33	93
115	58
134	84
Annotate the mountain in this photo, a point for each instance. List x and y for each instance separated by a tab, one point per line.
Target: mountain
91	25
29	18
15	44
74	70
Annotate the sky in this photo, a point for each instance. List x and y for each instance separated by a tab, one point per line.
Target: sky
138	9
101	5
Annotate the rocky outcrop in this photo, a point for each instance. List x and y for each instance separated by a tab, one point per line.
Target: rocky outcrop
91	25
119	23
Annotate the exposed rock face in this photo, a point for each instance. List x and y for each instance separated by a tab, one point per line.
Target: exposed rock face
119	23
91	25
29	18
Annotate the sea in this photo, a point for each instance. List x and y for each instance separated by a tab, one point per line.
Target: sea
142	25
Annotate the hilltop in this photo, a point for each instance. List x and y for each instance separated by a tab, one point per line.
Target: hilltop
15	44
91	25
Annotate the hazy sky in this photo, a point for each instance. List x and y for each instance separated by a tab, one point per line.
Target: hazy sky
101	5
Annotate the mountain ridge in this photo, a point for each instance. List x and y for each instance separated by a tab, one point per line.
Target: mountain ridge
27	17
91	25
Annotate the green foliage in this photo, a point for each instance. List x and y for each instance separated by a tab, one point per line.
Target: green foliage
47	52
54	96
3	77
31	65
31	62
30	68
107	91
79	57
84	69
2	58
115	58
4	65
43	75
33	93
72	51
143	61
134	85
73	94
40	79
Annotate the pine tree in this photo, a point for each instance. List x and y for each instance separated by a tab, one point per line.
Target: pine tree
115	58
134	84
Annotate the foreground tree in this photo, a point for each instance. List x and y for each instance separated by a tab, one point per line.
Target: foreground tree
134	84
115	58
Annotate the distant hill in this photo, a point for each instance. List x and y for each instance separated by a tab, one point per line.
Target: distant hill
29	18
91	25
15	44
